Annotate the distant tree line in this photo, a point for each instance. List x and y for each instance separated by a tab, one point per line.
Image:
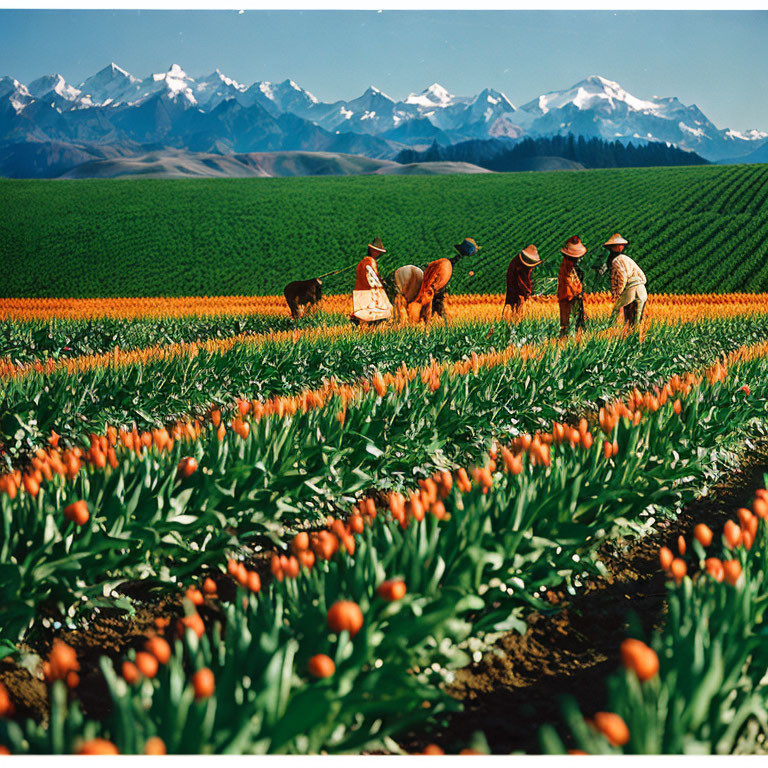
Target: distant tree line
497	155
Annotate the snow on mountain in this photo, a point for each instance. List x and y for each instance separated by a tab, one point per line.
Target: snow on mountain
487	107
277	98
53	84
176	82
373	112
751	135
432	97
111	85
594	92
14	93
595	106
600	107
217	87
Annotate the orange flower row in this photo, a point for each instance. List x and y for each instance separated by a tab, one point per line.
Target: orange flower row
186	306
45	465
118	358
149	307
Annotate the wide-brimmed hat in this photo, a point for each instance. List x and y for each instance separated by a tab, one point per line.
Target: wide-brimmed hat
616	239
530	256
573	248
467	247
377	245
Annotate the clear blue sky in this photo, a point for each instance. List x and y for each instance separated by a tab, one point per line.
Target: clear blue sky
716	59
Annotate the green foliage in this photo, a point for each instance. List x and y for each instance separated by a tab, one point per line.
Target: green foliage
696	229
711	694
56	339
146	522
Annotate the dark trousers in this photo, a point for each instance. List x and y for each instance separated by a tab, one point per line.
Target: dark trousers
566	308
514	300
630	313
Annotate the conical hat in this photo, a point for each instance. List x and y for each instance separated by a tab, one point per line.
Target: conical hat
377	245
530	256
573	248
616	239
467	247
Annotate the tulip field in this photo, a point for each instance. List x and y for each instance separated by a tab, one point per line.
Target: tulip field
226	532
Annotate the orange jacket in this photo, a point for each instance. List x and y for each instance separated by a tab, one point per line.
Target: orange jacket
568	284
362	283
436	277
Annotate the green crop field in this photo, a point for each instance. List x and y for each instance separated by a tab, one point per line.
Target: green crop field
696	229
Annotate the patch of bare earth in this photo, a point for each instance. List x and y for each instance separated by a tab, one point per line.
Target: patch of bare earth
517	686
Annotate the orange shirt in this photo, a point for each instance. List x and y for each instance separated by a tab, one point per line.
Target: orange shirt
568	284
362	283
436	277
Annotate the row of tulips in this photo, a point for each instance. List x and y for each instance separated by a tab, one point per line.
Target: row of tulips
44	464
343	650
152	394
699	686
250	480
22	310
201	306
24	342
154	386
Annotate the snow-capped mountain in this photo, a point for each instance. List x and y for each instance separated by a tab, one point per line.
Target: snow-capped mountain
278	98
434	97
111	85
600	107
373	112
14	94
217	87
175	83
55	89
219	114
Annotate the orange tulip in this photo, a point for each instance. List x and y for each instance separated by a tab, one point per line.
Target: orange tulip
732	571
703	534
613	727
714	568
641	659
678	569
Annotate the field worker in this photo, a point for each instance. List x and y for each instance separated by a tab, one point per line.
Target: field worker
570	285
406	284
467	247
303	293
519	283
627	282
436	277
369	300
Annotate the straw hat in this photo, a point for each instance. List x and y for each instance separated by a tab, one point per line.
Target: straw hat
573	248
377	245
467	247
530	256
616	239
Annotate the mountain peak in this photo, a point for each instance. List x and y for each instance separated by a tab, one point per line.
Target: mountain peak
592	92
219	77
53	84
294	86
434	96
600	80
117	69
373	92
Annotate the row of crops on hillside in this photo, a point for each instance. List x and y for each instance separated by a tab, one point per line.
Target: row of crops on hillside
323	519
701	228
